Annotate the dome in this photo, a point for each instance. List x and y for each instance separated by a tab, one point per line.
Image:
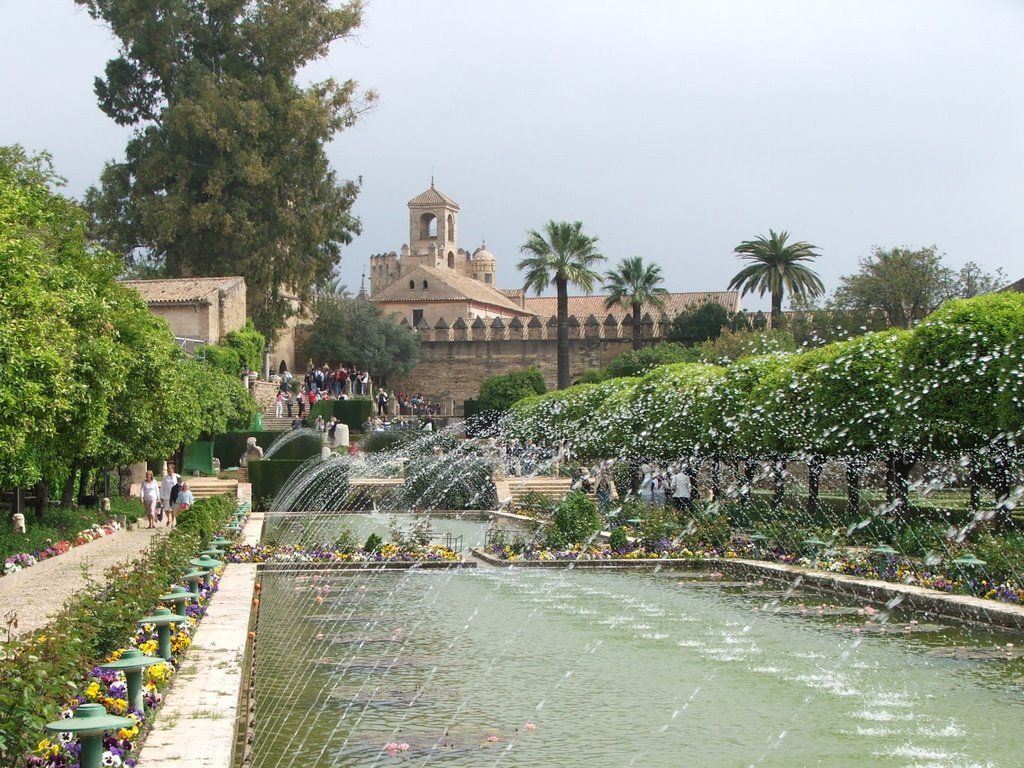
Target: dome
482	255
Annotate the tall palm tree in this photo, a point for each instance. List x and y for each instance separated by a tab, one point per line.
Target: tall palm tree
561	254
632	285
776	270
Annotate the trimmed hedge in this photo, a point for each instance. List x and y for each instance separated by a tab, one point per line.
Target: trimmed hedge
268	476
302	446
354	413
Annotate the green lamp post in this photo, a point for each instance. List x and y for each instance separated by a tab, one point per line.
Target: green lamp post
162	619
207	563
192	578
812	546
220	542
132	662
212	552
235	528
89	723
968	565
178	596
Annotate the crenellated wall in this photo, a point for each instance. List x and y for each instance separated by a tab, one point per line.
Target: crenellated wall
456	358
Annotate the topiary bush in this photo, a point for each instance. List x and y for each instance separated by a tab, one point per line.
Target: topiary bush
619	539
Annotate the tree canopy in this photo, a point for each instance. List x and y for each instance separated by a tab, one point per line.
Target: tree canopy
633	284
226	171
907	285
561	254
698	324
91	378
776	269
499	393
355	332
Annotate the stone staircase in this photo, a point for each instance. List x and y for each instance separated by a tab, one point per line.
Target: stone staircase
203	487
519	487
272	423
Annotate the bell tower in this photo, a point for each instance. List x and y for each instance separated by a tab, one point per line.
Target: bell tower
434	228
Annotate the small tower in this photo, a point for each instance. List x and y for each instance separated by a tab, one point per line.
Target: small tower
484	264
434	221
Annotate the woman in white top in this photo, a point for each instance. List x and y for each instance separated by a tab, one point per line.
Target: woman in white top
171	479
150	493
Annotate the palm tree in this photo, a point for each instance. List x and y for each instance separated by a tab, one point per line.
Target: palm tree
632	285
561	254
775	270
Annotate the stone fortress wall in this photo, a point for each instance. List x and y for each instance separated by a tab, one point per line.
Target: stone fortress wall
455	359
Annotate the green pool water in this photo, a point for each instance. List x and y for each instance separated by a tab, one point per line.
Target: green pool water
581	668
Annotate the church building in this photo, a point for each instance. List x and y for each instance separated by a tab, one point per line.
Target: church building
433	278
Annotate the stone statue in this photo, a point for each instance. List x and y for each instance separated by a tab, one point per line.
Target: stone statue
252	452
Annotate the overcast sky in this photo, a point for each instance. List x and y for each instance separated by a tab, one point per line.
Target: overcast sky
674	129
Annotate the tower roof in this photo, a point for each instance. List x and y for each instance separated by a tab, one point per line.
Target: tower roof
433	197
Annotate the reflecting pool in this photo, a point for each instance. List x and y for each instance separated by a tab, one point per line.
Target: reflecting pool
574	667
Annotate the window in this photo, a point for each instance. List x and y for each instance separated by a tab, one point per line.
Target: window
424	285
487	277
412	284
417	315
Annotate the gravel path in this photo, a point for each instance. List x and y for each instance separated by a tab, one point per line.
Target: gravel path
33	595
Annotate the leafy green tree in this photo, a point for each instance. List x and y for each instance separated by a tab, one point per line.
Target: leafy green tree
776	269
638	362
561	254
698	324
356	332
635	285
907	285
226	171
499	393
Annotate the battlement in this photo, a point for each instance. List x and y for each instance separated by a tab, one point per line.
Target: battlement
612	327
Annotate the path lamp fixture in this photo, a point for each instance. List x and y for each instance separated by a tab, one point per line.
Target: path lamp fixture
89	723
969	567
207	563
132	662
192	578
179	596
220	543
162	619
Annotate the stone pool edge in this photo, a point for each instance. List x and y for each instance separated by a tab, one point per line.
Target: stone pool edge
921	599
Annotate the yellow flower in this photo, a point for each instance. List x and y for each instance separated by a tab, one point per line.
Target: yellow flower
43	746
93	691
149	647
41	639
115	655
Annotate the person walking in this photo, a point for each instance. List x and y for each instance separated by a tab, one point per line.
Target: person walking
171	479
682	488
150	493
278	403
184	501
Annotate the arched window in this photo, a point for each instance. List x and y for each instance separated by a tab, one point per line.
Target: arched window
428	226
424	285
451	260
451	228
412	284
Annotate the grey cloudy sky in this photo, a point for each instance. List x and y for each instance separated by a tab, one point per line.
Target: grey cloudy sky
672	129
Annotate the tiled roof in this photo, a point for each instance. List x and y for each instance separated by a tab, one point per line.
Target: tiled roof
1017	286
182	290
582	306
443	285
433	197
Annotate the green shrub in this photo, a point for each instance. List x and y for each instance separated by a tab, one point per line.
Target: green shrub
373	543
638	362
439	482
499	393
576	520
619	539
224	359
249	344
388	440
206	516
658	525
297	446
230	446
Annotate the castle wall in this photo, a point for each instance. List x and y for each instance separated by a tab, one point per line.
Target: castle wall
455	361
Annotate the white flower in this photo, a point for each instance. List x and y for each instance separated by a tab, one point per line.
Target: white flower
109	758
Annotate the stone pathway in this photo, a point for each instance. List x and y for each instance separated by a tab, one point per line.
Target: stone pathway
34	595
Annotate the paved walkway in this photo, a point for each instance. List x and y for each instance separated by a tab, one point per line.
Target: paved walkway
34	595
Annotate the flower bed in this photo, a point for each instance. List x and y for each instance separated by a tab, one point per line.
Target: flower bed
263	553
17	562
109	688
891	569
